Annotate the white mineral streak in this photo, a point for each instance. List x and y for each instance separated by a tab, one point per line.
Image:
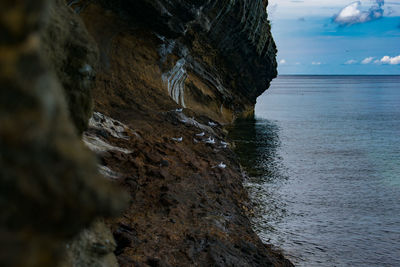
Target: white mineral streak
175	80
97	145
107	172
211	78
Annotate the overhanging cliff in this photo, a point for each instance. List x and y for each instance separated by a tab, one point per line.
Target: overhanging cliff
215	57
162	77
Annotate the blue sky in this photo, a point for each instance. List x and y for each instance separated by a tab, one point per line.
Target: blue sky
336	36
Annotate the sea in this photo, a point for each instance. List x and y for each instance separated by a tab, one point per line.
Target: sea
322	158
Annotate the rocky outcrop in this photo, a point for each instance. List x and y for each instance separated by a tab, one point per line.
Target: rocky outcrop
163	78
73	55
94	247
216	57
50	188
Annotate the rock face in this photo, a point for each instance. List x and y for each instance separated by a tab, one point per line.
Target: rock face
73	54
163	77
50	188
216	57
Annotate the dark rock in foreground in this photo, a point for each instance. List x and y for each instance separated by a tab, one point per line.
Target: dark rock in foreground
49	184
163	77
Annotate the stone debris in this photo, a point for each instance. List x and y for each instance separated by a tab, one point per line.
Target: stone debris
191	121
210	141
222	165
113	127
94	246
224	144
179	139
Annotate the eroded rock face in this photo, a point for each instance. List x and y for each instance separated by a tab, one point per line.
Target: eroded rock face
50	188
217	57
156	58
144	60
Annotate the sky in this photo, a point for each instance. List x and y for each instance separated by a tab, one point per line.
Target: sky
336	36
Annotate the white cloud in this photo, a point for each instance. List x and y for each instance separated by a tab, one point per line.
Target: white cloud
390	60
352	13
282	61
367	60
289	9
351	61
316	63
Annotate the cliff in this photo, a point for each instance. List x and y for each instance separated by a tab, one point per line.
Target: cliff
147	86
214	57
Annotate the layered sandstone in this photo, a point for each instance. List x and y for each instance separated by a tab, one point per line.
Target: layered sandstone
163	78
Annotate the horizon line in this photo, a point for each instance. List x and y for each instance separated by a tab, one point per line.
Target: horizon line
338	75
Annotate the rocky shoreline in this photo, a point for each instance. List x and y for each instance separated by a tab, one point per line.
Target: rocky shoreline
149	85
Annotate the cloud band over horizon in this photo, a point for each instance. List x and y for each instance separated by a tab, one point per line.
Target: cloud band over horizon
366	41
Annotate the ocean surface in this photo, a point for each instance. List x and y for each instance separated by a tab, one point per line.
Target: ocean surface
323	160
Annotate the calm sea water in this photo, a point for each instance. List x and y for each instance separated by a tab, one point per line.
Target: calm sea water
323	159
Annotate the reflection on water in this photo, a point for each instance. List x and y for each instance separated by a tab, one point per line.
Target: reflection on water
323	160
257	142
